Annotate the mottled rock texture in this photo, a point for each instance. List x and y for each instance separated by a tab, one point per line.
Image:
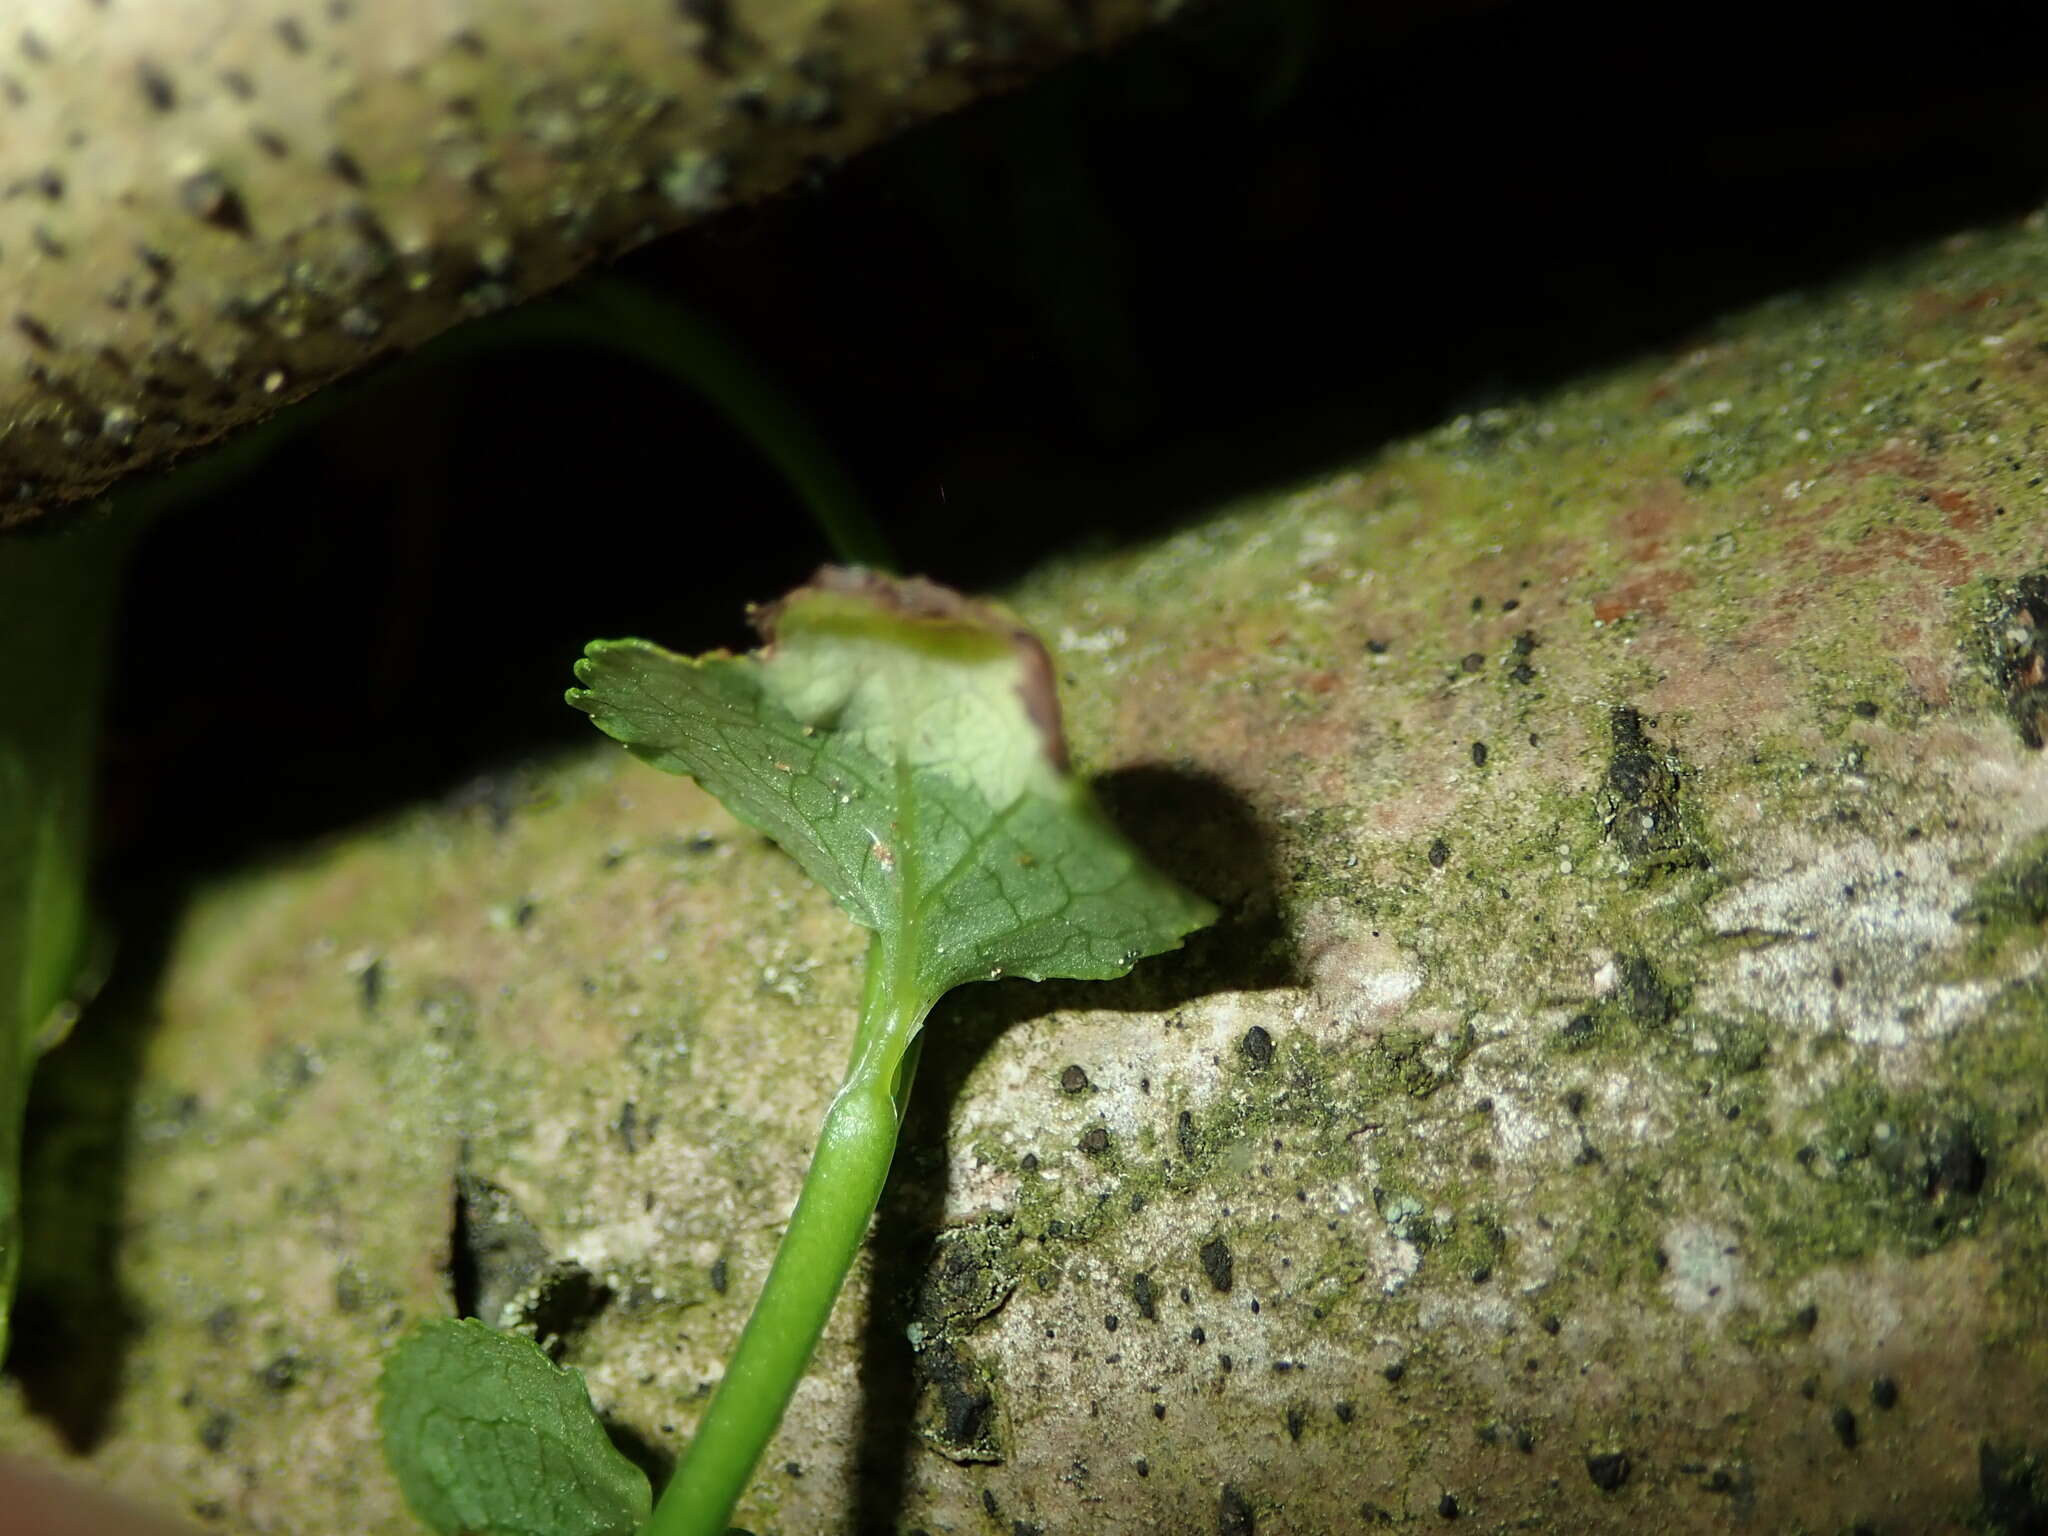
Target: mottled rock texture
1614	1099
210	207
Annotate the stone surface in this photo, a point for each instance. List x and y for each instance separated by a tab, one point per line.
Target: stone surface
1613	1101
212	207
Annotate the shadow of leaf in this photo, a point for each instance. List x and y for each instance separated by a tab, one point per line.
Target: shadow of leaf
1198	830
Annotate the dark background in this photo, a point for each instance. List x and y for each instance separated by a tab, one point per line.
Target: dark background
1258	242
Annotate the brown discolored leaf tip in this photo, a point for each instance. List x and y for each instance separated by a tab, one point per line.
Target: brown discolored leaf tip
919	600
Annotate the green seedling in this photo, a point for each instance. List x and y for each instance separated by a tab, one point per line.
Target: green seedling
58	592
903	745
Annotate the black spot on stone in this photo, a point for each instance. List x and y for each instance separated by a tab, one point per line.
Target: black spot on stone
567	1300
1472	661
1073	1079
1843	1422
1864	709
291	33
1028	1162
720	1276
1956	1165
280	1373
1143	1297
1218	1264
1552	1325
1111	1322
2014	641
1608	1470
1394	1370
1234	1515
1643	995
350	1293
1479	754
1884	1393
1639	798
1256	1047
1376	647
1439	853
37	333
628	1127
1142	1467
1185	1135
207	196
345	167
214	1430
1575	1102
1095	1141
1297	1421
156	86
1578	1031
1806	1319
49	181
966	1407
1447	1506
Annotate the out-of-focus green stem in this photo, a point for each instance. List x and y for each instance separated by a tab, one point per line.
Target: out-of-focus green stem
57	592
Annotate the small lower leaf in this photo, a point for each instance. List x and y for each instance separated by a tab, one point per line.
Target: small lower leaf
488	1437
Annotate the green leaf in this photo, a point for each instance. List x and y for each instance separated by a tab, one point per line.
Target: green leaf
488	1437
903	744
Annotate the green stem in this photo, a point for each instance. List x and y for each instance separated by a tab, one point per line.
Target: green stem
855	1147
56	595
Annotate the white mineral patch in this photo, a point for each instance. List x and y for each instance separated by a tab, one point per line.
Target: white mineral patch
1843	937
1360	976
1704	1268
